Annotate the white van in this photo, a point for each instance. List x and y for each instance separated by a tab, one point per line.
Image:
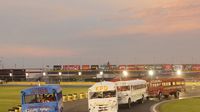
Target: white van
102	97
131	91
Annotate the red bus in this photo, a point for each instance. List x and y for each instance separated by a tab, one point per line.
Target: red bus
165	87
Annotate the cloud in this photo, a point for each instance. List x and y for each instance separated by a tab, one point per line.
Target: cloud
160	18
33	51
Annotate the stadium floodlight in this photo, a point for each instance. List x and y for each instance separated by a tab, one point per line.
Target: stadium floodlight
179	72
27	74
79	73
44	74
151	72
125	73
59	73
10	74
101	73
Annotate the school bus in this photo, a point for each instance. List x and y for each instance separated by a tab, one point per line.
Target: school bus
46	98
102	97
165	87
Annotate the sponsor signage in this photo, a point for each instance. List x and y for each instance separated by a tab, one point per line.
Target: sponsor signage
71	67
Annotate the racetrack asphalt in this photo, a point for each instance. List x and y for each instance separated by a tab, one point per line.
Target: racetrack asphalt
82	105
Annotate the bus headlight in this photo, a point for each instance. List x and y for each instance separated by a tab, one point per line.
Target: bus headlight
125	94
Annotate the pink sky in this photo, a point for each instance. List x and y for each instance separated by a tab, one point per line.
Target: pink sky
96	31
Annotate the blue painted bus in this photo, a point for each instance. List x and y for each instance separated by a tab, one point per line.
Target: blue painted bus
46	98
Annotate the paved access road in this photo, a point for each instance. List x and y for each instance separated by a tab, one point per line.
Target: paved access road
82	105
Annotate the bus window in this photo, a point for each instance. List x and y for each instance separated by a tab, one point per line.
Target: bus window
40	98
95	95
109	94
102	94
123	88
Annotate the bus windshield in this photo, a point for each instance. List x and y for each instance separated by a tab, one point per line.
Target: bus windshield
102	94
39	98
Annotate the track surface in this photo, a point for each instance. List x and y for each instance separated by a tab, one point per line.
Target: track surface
82	105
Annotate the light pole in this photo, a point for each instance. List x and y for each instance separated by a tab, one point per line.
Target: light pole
27	75
125	73
151	73
179	72
11	75
101	73
79	74
60	75
44	76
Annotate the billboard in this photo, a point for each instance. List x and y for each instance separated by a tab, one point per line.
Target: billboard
122	67
158	67
177	67
187	67
149	67
85	67
57	67
94	67
140	67
167	67
113	67
196	67
71	67
131	67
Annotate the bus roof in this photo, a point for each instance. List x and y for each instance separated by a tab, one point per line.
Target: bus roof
107	84
46	89
131	82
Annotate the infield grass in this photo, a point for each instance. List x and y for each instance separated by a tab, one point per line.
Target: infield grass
10	96
183	105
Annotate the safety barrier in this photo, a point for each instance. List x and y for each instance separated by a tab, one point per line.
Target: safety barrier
81	96
74	97
192	83
77	83
69	97
15	109
25	83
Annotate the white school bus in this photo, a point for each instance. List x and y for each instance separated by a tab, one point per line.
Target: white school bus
131	91
102	97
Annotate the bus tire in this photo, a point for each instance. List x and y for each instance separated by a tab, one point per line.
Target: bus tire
129	103
159	96
61	110
147	98
176	94
166	96
142	99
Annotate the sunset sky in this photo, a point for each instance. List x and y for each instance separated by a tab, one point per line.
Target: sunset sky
35	33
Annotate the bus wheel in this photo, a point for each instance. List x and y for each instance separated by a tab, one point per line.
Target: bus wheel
176	95
159	96
61	110
147	98
142	99
129	103
166	96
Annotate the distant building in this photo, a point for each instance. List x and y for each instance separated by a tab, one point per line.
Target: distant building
12	74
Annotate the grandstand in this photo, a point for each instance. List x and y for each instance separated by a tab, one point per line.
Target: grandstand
64	73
